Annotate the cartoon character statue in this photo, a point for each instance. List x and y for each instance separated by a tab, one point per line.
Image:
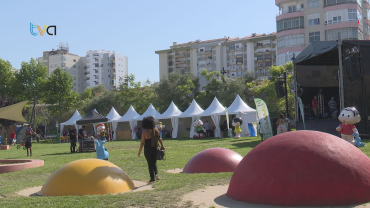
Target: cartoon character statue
198	128
348	116
236	123
160	128
358	142
101	152
100	128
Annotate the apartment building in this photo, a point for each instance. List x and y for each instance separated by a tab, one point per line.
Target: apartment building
299	22
233	57
97	67
104	67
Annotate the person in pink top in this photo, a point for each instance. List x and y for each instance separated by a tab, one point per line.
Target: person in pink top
348	116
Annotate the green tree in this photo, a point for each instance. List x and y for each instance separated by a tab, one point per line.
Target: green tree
6	78
135	94
31	80
59	92
103	103
265	90
179	88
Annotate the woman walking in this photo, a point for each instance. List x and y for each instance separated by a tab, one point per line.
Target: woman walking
149	140
281	126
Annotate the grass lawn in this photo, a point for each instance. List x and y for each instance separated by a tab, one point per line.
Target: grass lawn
168	191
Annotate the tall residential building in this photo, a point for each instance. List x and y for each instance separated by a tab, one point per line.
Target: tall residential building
97	67
104	67
237	56
299	22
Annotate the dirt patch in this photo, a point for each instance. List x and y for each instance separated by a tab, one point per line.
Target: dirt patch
215	196
176	170
139	186
30	191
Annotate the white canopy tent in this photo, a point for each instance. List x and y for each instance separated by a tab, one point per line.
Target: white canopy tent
171	113
151	111
130	116
193	111
72	121
112	116
241	109
215	110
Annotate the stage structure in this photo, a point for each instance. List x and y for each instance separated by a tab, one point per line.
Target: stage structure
339	69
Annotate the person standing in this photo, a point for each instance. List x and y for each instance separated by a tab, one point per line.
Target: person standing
315	106
281	126
206	126
28	140
149	140
72	138
287	123
12	138
80	138
332	106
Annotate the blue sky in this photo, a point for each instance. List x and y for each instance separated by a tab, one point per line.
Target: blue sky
132	28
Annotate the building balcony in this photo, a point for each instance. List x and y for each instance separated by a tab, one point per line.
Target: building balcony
289	14
268	59
231	57
277	2
231	63
267	52
114	60
180	54
86	73
87	61
114	66
260	61
231	50
114	77
88	78
87	84
239	49
239	63
88	55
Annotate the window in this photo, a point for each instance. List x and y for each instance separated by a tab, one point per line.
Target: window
346	33
291	9
74	66
74	60
55	65
314	36
314	21
74	78
51	66
290	23
63	58
352	15
290	41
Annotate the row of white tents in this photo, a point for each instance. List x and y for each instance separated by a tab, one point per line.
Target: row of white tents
175	116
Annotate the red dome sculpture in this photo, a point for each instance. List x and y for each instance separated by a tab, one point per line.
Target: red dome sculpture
302	168
214	160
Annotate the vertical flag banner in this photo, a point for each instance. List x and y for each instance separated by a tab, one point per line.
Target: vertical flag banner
263	118
302	111
227	119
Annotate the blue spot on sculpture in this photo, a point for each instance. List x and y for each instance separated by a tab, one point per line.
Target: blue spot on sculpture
101	152
358	142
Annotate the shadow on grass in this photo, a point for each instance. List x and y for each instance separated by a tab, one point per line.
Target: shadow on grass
251	144
65	153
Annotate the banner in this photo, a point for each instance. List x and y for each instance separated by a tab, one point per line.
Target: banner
302	111
228	124
263	118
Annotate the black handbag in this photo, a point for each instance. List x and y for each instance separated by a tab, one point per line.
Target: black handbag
160	154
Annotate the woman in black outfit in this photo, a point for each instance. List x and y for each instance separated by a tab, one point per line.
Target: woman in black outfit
150	147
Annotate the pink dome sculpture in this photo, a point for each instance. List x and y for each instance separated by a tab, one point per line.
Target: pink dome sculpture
214	160
302	168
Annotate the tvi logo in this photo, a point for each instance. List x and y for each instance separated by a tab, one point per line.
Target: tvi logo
42	31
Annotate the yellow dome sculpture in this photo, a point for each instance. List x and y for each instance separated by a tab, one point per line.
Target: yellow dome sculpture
87	177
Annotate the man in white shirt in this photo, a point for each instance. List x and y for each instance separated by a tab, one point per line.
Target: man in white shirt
206	126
